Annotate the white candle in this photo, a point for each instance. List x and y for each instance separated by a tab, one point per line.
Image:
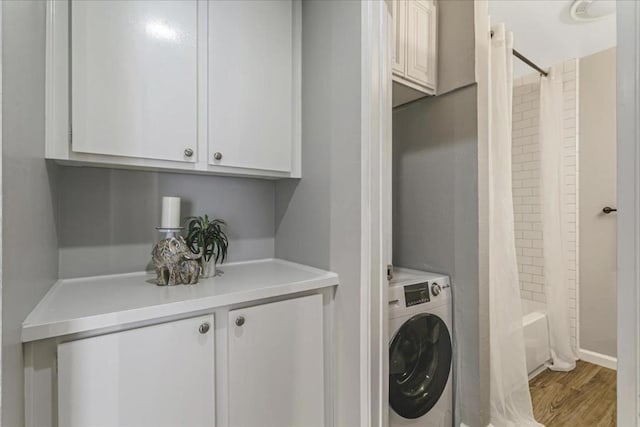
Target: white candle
170	212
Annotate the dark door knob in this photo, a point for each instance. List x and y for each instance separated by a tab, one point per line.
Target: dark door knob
608	210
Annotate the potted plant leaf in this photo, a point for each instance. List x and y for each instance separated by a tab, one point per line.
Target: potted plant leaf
206	237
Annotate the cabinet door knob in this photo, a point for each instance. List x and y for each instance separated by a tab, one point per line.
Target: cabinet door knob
217	155
204	328
188	152
239	320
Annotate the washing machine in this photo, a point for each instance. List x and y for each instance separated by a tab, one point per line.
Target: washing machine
420	350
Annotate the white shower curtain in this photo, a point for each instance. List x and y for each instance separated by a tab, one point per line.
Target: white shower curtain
553	230
509	393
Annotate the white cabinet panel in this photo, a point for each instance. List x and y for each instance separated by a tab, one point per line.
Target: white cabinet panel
165	85
399	8
415	49
160	375
134	78
276	364
251	84
420	40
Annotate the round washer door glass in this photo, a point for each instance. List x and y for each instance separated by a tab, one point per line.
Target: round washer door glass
419	365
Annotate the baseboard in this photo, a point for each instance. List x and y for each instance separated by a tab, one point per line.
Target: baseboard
598	359
540	369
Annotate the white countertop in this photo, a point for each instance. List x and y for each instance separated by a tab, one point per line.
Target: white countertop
102	302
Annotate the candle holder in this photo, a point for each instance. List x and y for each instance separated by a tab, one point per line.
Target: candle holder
170	231
174	262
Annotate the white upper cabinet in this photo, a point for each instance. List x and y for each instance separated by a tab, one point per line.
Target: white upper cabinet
185	85
251	84
399	13
420	42
134	78
415	49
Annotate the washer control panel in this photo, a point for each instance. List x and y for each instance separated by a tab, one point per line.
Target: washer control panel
416	294
412	291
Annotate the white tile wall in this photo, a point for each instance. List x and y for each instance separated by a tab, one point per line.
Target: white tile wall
526	186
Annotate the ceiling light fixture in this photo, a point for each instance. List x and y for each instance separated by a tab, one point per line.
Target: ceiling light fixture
592	10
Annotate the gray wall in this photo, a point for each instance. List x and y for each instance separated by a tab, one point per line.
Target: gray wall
435	220
456	44
597	174
107	217
29	244
318	218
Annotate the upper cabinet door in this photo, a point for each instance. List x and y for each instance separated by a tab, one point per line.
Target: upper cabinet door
134	78
399	11
421	42
251	105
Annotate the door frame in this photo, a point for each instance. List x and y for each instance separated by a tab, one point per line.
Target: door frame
376	109
376	139
628	189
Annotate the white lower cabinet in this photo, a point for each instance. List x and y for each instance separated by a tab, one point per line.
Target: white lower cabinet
276	375
161	375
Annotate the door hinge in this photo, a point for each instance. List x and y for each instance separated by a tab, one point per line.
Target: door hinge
389	271
70	136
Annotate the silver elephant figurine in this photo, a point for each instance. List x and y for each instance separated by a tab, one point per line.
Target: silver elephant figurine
175	263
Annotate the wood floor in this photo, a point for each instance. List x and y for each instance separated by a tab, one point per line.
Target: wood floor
584	397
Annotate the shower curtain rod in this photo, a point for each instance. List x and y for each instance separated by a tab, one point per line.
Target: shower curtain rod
527	61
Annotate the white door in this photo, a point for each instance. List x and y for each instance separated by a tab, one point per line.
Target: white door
421	42
251	84
597	190
399	14
134	78
276	364
161	375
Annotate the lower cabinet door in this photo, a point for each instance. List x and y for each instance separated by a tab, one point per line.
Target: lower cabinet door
161	375
276	374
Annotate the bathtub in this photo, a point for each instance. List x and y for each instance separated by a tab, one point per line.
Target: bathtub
536	335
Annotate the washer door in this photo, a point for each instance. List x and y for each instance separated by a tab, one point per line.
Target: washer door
419	365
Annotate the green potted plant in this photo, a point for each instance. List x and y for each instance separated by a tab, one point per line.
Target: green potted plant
205	237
